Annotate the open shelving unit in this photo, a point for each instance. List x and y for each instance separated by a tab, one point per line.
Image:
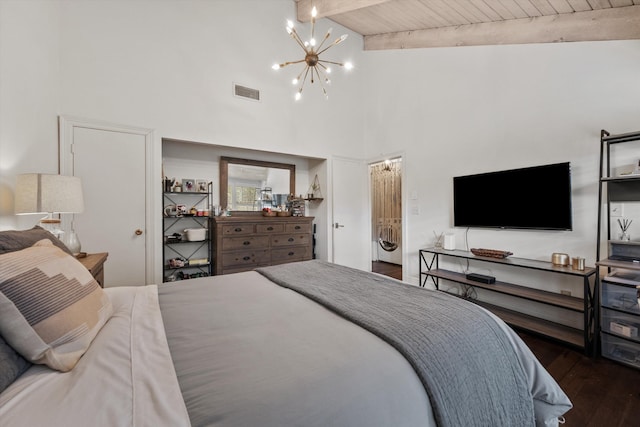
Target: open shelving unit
618	300
189	251
582	338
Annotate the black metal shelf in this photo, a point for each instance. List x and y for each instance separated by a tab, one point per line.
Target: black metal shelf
582	338
187	249
621	188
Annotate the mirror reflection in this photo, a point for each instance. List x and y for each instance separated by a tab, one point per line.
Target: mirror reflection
251	185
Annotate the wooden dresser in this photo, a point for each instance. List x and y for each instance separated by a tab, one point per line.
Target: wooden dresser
242	243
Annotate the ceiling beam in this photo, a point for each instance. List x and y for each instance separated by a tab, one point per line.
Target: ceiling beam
621	23
327	8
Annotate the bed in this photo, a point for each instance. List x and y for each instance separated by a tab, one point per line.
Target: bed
302	344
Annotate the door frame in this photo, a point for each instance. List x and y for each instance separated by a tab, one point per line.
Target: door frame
381	158
66	127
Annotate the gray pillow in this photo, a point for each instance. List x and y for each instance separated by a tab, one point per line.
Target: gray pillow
12	365
16	240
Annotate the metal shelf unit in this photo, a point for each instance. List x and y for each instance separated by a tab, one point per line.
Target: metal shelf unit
618	301
197	255
581	338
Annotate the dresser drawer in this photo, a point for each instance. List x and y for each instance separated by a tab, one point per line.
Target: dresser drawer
298	228
294	253
238	230
290	239
270	228
245	258
244	242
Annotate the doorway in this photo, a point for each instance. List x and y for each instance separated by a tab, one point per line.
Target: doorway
386	217
114	163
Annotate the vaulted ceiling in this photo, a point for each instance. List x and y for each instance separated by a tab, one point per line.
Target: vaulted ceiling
405	24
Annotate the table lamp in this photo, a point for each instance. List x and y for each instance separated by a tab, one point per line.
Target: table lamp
50	194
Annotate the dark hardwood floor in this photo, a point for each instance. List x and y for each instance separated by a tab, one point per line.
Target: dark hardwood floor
388	269
603	393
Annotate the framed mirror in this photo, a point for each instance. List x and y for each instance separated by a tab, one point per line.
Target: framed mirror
249	185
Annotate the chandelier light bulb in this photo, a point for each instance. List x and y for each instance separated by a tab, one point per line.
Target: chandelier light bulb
298	96
312	42
348	66
328	70
276	66
314	12
295	81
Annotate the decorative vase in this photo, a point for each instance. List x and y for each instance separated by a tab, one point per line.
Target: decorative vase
72	242
625	237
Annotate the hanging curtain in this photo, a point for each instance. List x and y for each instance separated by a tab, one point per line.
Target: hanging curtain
387	204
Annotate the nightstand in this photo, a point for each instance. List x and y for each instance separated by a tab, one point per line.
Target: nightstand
95	264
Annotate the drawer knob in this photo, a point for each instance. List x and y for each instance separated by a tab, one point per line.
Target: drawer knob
291	239
270	228
246	242
298	227
247	258
238	229
291	253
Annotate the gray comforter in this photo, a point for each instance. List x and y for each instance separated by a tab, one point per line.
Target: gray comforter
452	344
249	352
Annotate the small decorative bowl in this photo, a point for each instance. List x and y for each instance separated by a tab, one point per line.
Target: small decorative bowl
284	213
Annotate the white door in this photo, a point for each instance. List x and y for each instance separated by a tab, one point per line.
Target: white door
112	163
351	219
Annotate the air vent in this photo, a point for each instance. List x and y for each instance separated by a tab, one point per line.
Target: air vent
246	92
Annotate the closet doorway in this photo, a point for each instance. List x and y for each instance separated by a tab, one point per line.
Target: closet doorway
386	217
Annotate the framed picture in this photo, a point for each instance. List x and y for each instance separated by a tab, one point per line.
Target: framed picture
189	185
201	186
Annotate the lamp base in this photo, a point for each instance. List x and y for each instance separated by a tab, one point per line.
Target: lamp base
72	242
52	225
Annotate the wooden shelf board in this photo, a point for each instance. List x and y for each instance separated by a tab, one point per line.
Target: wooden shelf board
627	265
537	325
545	297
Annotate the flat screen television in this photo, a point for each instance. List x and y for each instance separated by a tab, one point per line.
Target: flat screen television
536	197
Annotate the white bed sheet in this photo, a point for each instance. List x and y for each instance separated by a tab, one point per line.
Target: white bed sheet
126	378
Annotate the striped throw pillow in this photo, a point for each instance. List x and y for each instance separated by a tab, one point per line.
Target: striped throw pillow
51	307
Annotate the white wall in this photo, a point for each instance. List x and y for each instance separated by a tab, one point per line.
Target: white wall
29	97
467	110
170	66
167	66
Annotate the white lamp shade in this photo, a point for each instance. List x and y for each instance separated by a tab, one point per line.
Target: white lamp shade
41	193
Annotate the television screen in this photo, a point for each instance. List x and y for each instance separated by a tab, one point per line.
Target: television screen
537	197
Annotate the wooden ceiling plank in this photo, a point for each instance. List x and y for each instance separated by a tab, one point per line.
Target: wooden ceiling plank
469	10
528	8
545	7
326	8
622	23
621	3
561	6
514	8
579	5
500	9
444	10
487	10
599	4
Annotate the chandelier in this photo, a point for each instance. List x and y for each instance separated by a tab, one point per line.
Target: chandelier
315	68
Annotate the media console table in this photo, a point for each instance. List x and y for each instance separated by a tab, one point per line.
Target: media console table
581	338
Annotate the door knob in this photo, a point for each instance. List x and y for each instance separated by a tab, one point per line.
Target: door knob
337	225
138	232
